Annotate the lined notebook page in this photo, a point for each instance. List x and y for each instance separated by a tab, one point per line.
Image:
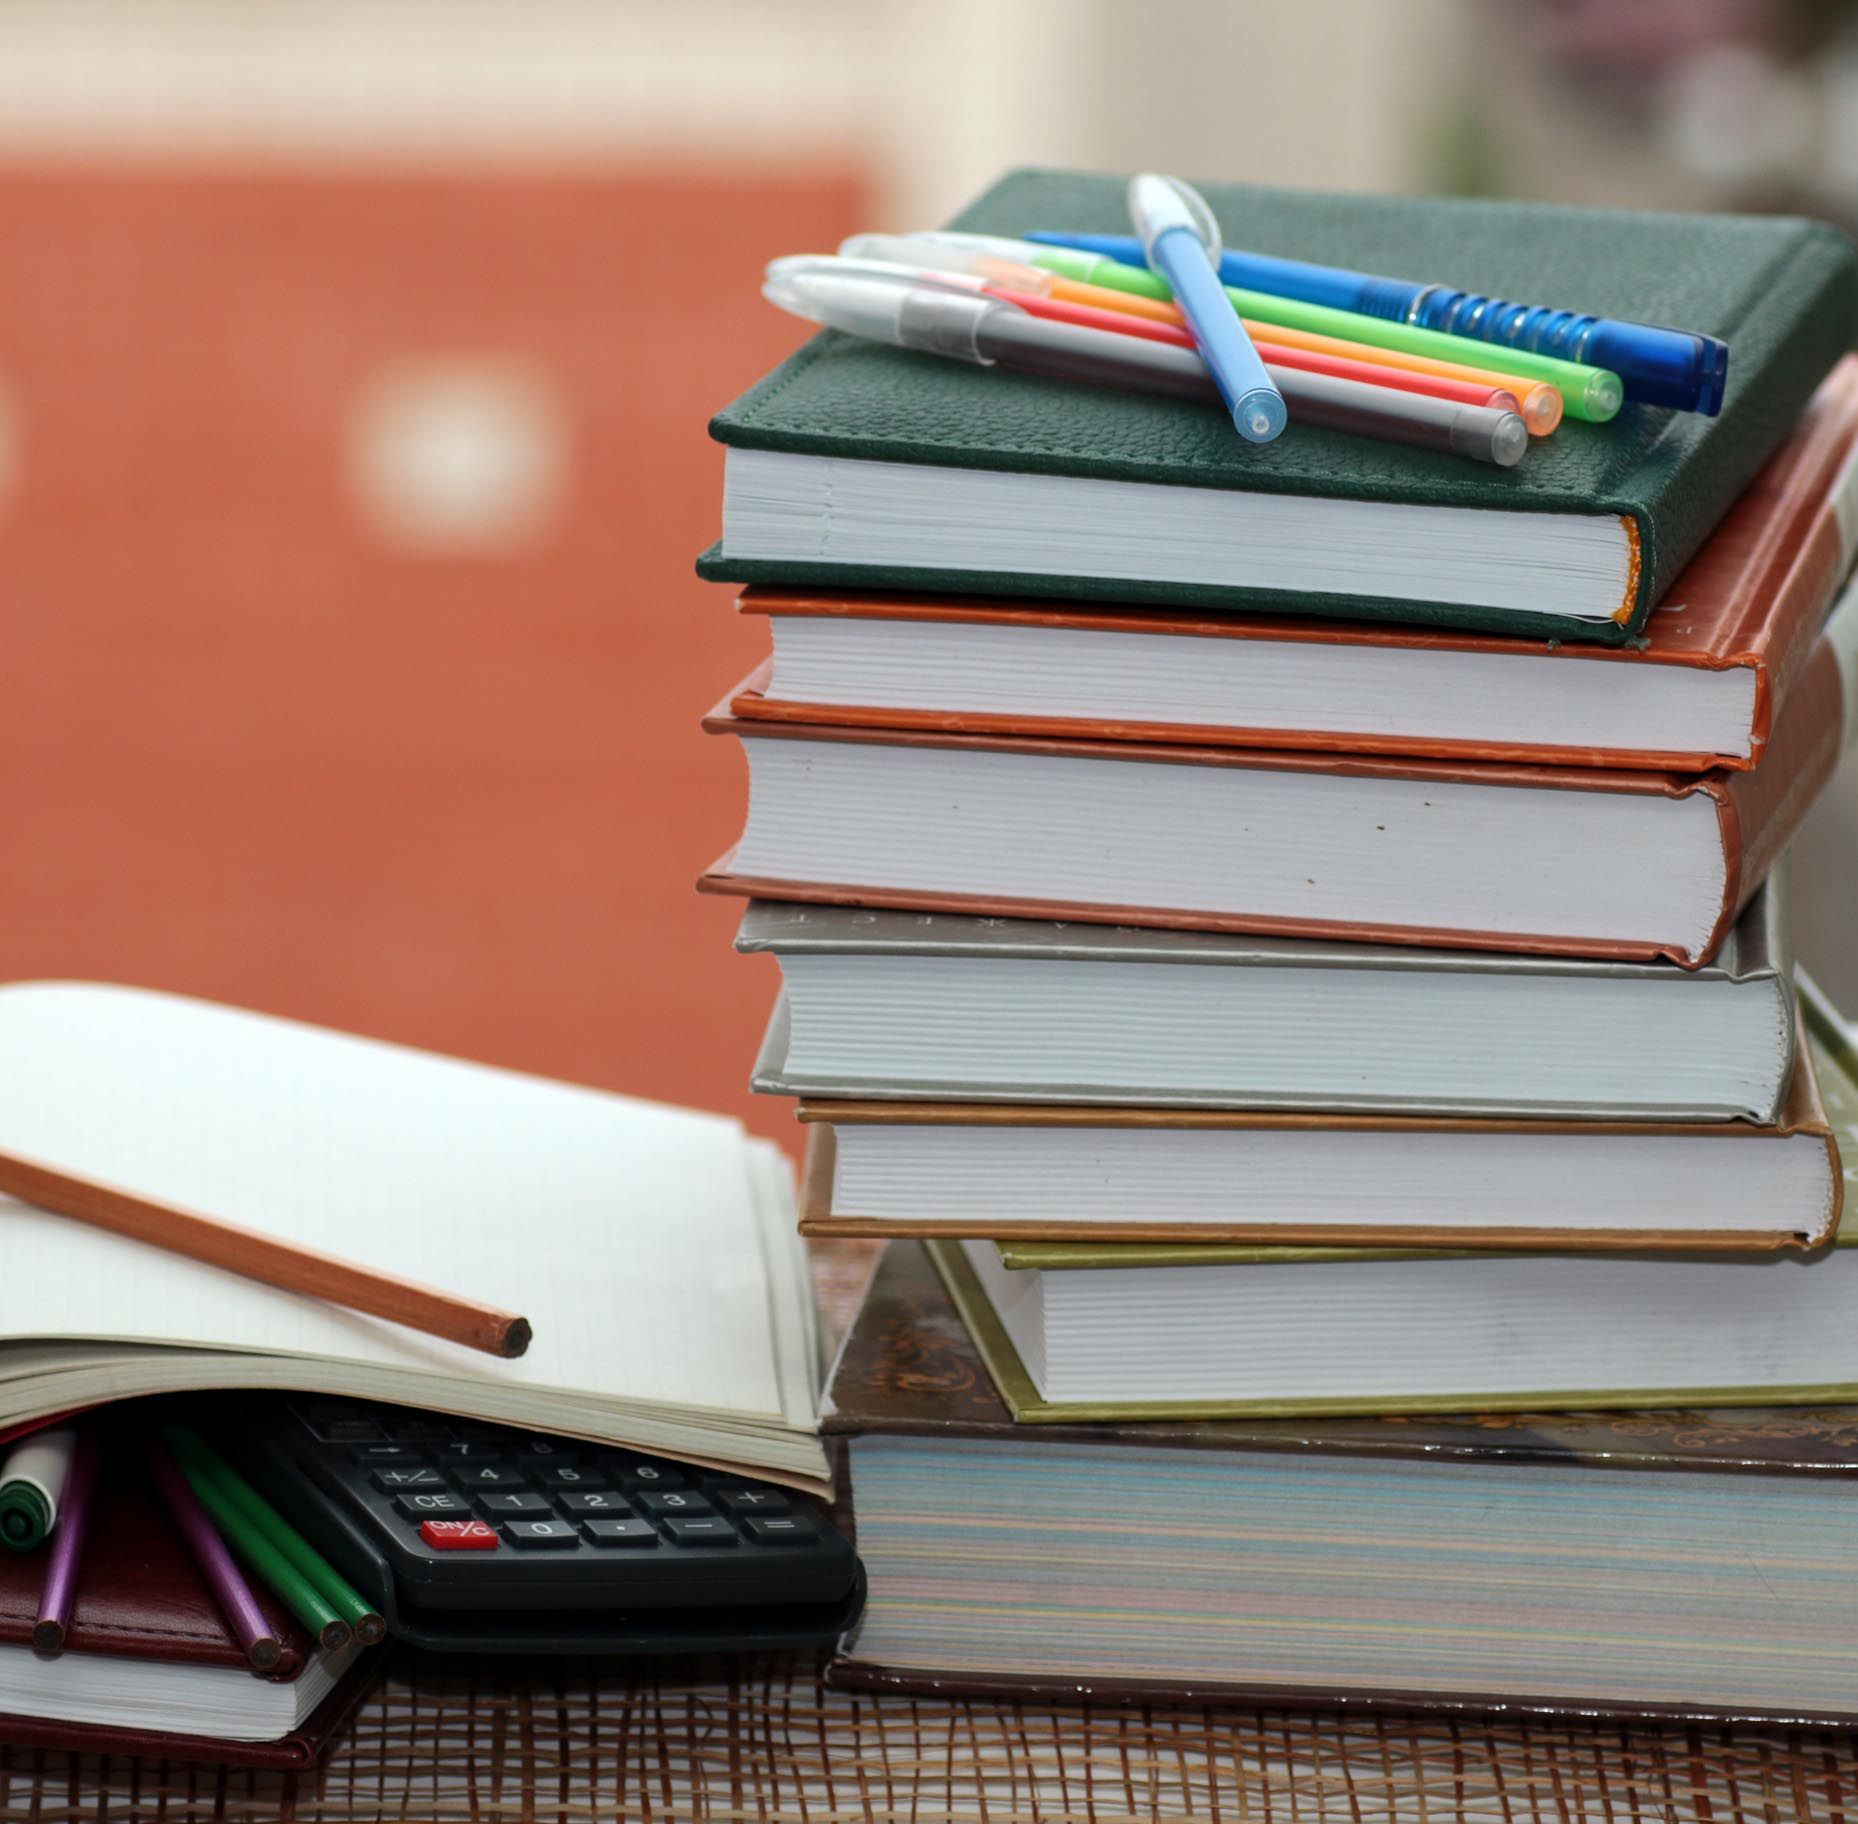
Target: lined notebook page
630	1233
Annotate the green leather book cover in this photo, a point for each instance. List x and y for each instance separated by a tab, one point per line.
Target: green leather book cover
1782	291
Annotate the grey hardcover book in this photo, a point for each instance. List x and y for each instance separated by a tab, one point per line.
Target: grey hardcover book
934	1006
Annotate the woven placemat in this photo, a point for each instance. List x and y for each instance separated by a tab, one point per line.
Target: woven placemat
475	1741
566	1742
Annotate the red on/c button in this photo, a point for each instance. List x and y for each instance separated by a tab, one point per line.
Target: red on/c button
458	1535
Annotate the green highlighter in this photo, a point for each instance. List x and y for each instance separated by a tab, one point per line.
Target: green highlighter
1590	393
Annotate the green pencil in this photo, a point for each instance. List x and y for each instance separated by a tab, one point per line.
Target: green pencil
255	1547
336	1590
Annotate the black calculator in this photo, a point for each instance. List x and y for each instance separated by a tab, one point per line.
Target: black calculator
479	1538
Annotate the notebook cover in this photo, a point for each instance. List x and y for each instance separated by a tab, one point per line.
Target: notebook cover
909	1368
1783	292
1756	951
1757	813
1753	598
141	1596
1801	1114
302	1747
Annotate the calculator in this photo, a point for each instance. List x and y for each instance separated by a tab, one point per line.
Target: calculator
480	1538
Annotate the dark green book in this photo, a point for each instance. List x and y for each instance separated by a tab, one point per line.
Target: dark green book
856	464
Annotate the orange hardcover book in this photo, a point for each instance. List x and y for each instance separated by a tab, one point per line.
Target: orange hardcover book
1555	861
1700	692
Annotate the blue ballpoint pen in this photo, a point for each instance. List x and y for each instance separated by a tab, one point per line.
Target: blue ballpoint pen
1180	240
1675	367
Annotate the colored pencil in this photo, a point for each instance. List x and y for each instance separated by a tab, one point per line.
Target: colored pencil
255	1550
60	1587
244	1617
196	1454
264	1258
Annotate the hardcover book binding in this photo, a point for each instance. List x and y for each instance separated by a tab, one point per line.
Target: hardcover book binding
1147	1331
920	1006
1782	292
1053	1173
1280	1588
1755	814
1751	602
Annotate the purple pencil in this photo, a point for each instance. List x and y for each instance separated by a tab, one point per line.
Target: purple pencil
234	1595
67	1548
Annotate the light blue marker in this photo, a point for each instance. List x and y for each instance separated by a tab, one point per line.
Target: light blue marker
1180	240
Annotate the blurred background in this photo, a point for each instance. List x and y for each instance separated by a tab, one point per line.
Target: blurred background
355	359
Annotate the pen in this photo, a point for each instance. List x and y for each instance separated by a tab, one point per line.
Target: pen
987	331
1539	403
1046	302
59	1591
32	1483
1592	393
1180	241
1675	367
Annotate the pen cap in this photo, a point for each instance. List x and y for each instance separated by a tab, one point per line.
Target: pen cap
929	256
860	306
1674	367
25	1516
1158	205
887	270
938	322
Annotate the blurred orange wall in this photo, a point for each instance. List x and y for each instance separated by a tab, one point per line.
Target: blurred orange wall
254	749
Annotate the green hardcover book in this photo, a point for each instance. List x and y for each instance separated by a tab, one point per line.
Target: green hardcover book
857	464
1079	1332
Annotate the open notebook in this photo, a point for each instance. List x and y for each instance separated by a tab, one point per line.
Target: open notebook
653	1248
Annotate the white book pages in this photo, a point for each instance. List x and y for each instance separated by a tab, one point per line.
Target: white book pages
644	1242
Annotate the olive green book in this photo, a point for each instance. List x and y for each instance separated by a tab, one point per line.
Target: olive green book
1083	1332
855	464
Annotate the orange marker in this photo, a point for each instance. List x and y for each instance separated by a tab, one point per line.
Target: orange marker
1055	305
1537	403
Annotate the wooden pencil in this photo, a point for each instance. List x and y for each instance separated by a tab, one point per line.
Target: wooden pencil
264	1258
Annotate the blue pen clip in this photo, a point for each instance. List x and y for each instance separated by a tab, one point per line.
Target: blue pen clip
1180	240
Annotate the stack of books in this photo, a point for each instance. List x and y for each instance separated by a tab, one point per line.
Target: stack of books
1291	943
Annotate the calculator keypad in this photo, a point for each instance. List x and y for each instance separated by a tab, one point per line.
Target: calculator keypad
461	1488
